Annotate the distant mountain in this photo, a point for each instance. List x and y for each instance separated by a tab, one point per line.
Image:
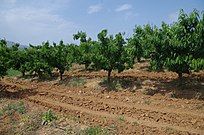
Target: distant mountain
10	43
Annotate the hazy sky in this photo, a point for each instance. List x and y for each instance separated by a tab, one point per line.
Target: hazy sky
34	21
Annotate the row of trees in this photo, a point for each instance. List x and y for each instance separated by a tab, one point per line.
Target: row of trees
178	47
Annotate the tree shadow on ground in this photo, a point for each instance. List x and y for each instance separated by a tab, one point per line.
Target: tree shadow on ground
190	87
13	92
44	78
121	83
72	81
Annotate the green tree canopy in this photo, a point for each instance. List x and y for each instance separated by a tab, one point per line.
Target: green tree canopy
110	53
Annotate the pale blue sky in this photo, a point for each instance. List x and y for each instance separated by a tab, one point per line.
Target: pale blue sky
34	21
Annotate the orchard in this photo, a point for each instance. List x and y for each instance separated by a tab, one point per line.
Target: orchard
177	47
151	82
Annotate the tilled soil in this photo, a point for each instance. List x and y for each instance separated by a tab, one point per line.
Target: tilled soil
128	112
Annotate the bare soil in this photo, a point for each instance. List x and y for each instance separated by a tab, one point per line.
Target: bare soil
138	101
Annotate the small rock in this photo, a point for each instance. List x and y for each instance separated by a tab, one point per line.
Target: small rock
44	123
107	96
193	121
134	88
187	102
41	94
63	99
142	115
127	99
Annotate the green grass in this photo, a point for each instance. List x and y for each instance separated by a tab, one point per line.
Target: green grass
12	73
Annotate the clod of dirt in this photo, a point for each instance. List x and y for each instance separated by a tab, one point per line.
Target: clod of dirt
43	93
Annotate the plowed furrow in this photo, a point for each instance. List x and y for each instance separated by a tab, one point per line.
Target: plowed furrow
64	106
185	119
130	111
155	105
120	103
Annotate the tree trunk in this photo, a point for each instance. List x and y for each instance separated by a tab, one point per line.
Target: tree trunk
50	73
23	73
109	76
86	66
40	74
138	59
133	60
61	76
180	75
61	73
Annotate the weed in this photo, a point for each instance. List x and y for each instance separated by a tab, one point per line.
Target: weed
112	129
14	107
198	95
113	85
172	94
76	82
112	126
135	123
119	84
150	91
199	106
1	113
11	72
95	131
33	122
148	102
170	130
68	130
121	118
48	117
76	119
25	118
171	106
